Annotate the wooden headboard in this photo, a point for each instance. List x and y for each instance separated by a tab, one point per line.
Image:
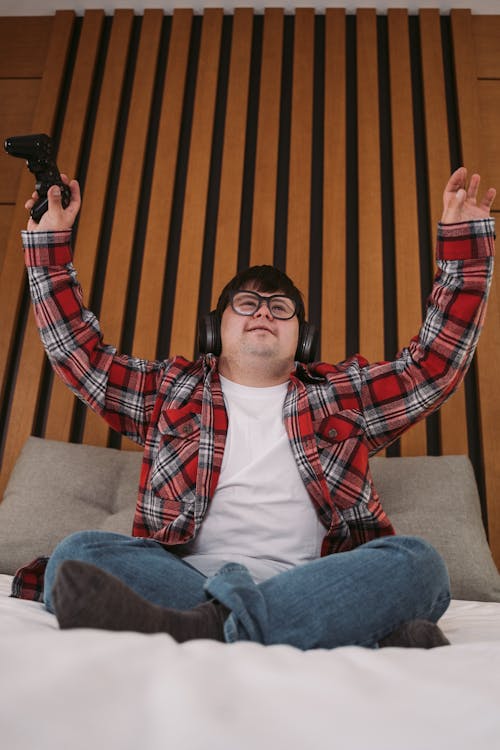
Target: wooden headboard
204	143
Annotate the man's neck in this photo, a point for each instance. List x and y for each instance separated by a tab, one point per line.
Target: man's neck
256	374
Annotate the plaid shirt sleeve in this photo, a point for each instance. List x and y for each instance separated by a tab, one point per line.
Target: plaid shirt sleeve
424	375
121	389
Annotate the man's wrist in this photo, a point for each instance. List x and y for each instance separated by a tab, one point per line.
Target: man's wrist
466	240
47	248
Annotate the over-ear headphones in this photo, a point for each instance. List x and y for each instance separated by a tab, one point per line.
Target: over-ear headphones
209	338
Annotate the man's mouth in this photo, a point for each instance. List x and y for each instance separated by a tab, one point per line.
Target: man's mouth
259	328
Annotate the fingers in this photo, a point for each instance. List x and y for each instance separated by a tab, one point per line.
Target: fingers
457	180
54	197
488	199
31	202
57	217
458	189
74	186
473	188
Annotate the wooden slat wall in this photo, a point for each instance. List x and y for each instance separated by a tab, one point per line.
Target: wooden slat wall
205	143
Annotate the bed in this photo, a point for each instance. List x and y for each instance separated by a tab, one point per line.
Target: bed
94	689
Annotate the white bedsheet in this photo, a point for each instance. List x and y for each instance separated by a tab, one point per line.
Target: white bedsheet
88	689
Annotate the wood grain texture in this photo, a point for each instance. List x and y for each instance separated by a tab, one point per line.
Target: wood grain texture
453	415
24	46
114	299
32	360
266	162
299	189
18	102
13	273
162	189
86	248
184	322
413	442
371	280
488	94
19	422
6	212
333	291
488	353
233	157
486	35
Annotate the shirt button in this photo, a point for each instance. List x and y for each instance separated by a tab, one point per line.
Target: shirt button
187	429
332	433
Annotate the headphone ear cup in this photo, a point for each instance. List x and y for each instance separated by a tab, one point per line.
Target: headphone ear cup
307	344
209	340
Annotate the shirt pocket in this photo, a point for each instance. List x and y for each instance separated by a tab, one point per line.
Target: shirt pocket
343	456
336	428
174	468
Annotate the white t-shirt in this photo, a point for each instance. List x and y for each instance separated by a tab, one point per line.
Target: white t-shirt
261	514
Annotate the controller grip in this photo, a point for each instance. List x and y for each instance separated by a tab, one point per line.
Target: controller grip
42	204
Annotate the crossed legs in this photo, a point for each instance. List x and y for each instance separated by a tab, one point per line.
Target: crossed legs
354	598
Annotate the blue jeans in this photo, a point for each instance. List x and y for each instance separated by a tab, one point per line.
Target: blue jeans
351	598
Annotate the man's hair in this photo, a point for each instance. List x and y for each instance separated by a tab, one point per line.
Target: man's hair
262	279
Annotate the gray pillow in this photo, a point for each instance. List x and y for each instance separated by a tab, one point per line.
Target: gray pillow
57	488
436	498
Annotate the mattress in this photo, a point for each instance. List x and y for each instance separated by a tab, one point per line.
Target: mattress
95	689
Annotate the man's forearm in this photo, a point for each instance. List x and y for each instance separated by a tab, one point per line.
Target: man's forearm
121	389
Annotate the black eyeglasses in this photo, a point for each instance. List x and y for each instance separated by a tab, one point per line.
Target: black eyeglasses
246	302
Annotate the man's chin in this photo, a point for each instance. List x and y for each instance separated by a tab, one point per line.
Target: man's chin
266	352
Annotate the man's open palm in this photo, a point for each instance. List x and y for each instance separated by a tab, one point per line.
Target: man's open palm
460	201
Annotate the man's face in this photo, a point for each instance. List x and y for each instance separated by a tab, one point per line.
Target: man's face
259	335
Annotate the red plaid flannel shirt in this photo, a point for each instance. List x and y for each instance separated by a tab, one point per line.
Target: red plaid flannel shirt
336	416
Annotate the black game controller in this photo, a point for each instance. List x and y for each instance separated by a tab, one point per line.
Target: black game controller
39	152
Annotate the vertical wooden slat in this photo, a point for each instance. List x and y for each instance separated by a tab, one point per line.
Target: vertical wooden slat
405	202
299	204
32	357
31	362
12	277
162	188
266	162
193	224
453	416
371	281
228	220
333	292
488	353
18	100
122	235
60	411
73	129
6	213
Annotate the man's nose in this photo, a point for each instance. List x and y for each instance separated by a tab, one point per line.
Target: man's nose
263	310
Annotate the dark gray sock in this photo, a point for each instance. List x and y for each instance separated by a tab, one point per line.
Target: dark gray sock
85	596
416	634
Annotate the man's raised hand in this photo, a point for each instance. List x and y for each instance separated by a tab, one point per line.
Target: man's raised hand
460	200
56	218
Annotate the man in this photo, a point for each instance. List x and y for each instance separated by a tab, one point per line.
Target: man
255	474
